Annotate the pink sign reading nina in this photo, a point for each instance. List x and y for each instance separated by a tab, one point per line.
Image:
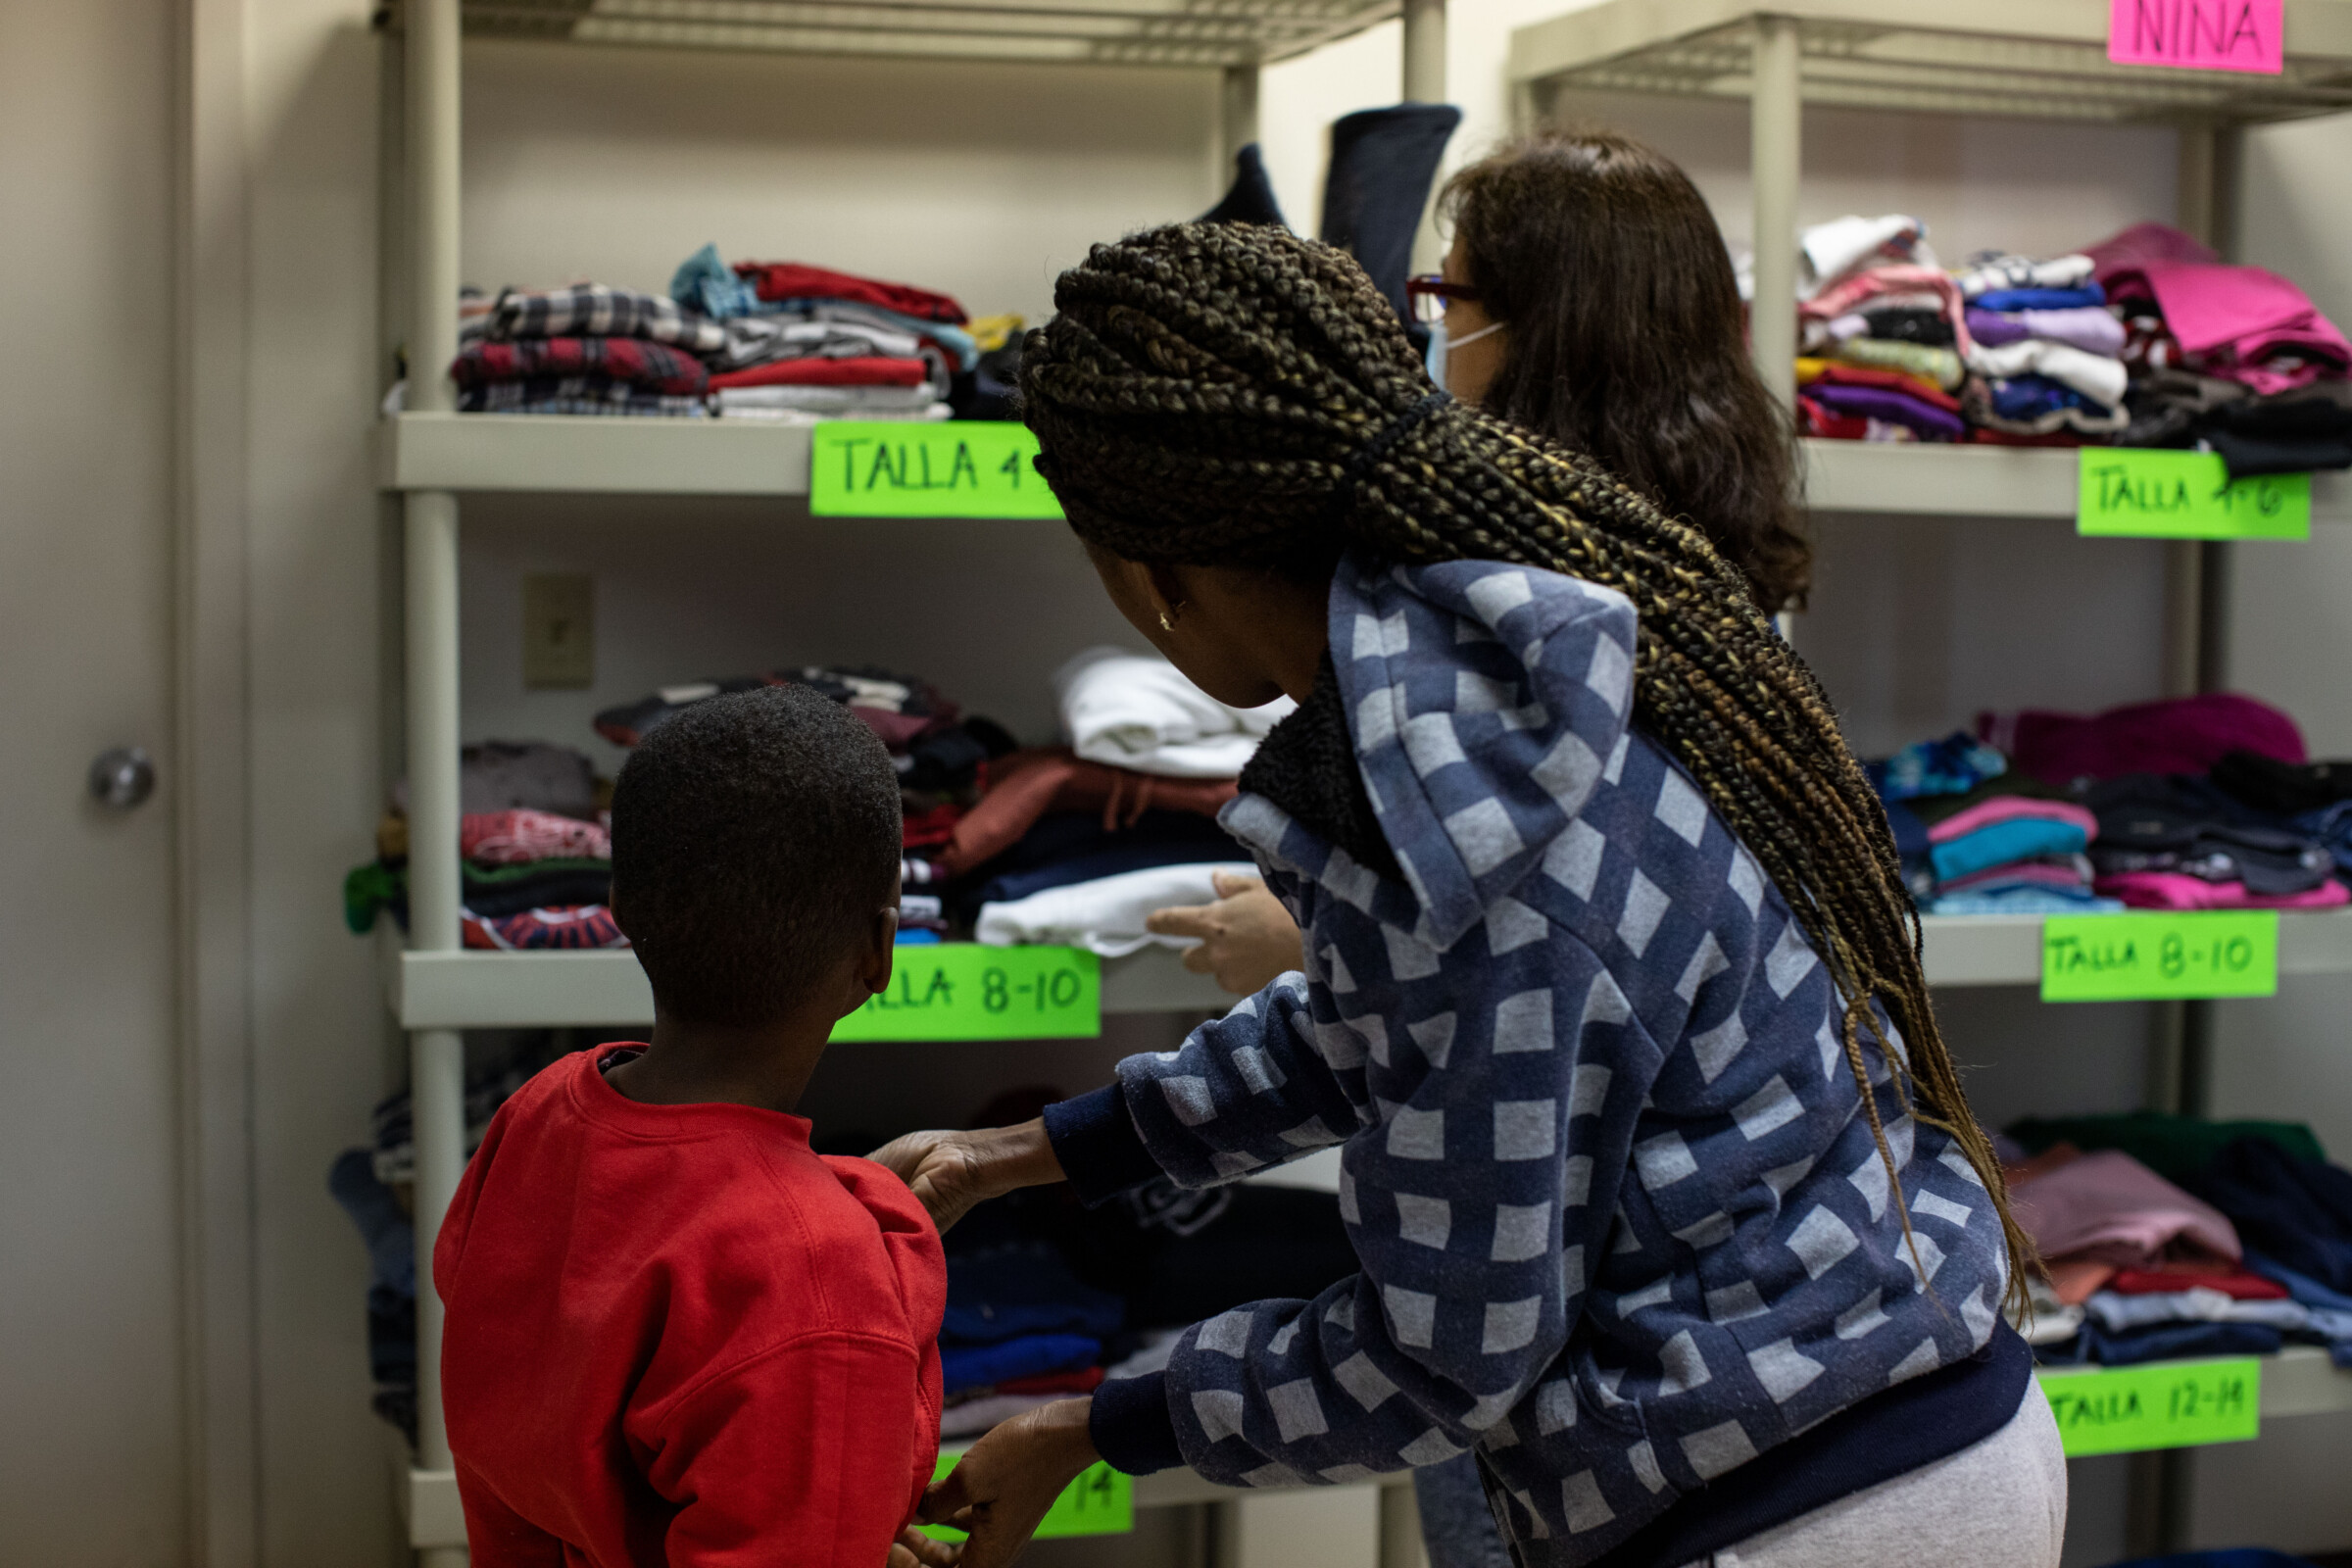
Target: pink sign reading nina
2197	34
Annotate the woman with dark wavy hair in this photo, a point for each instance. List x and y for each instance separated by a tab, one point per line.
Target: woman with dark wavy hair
1669	1207
1588	297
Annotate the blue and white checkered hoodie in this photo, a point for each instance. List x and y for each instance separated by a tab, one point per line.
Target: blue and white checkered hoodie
1622	1222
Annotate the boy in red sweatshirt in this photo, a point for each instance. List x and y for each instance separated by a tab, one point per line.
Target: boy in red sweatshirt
676	1336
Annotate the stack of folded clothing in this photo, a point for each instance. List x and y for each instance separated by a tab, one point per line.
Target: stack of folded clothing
804	341
1021	1331
1979	839
1883	334
537	858
1080	868
586	349
2313	799
2166	1237
944	759
2171	834
373	1186
2045	353
2233	359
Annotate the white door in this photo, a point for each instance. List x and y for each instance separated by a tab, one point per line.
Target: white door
91	1404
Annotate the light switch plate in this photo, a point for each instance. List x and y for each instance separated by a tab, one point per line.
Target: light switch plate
558	631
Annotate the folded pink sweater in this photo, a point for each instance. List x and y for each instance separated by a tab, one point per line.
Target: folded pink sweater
2110	1206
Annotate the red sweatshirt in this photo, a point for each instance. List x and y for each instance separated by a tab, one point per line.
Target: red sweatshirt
676	1336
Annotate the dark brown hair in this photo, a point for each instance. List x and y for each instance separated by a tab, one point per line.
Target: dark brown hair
1626	338
1232	395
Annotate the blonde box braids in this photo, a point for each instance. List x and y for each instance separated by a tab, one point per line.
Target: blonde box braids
1207	394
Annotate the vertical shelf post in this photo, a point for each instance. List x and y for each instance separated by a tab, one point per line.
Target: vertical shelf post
1424	51
436	1057
1776	110
1237	120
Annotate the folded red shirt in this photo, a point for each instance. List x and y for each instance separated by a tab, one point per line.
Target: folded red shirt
2161	1281
648	365
867	371
1083	1381
790	280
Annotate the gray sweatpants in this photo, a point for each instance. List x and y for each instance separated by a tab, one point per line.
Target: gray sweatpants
1997	1503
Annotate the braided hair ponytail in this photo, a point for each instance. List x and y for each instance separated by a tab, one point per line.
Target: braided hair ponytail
1227	394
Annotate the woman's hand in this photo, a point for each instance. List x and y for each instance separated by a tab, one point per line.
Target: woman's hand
1010	1478
914	1550
1247	937
949	1173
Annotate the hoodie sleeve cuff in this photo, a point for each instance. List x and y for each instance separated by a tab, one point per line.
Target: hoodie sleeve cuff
1131	1426
1095	1140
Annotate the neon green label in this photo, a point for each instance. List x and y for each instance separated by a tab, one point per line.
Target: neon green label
2171	1404
2157	957
2127	493
956	468
964	990
1099	1502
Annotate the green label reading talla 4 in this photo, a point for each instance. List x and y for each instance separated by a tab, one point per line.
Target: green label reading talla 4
2125	492
2167	1404
964	990
2159	957
955	469
1099	1502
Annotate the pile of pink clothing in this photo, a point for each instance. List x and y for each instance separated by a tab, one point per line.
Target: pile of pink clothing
2192	310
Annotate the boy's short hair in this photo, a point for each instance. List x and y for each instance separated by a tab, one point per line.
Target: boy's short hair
755	836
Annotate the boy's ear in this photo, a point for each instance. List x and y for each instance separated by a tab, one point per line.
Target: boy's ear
874	958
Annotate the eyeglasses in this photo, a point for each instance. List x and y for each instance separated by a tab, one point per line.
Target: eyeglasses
1430	294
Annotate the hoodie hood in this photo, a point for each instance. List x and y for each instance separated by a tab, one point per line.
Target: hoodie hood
1485	701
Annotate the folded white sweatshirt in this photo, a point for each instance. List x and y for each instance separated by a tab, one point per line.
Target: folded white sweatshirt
1133	711
1106	915
2094	375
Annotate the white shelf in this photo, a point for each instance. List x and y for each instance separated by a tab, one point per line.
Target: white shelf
559	990
587	455
1934	479
581	454
566	989
2298	1381
2037	59
1124	32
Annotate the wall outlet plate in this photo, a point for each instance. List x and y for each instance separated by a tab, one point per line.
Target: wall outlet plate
558	631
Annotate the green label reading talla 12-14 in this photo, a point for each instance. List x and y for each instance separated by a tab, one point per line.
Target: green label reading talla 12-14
2169	1405
2158	956
2129	493
955	469
964	990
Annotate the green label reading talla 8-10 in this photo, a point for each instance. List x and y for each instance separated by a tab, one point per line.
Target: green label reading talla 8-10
2169	1405
955	469
2159	957
964	990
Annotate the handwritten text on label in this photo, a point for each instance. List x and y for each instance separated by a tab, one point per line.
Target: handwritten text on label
2159	956
2133	494
964	990
2173	1404
955	469
2198	35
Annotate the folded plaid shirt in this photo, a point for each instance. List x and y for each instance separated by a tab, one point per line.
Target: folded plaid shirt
646	367
574	393
594	310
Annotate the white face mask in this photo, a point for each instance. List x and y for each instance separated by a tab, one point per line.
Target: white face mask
1439	348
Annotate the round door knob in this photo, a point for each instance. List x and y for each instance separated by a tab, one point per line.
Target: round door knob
123	777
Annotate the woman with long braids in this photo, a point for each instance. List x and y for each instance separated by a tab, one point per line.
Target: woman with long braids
1669	1206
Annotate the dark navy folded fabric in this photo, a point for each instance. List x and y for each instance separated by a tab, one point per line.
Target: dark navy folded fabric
2166	1342
1014	1292
1070	847
1033	1356
2296	1210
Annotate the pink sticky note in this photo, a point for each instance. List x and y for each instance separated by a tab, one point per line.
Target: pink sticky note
2197	34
